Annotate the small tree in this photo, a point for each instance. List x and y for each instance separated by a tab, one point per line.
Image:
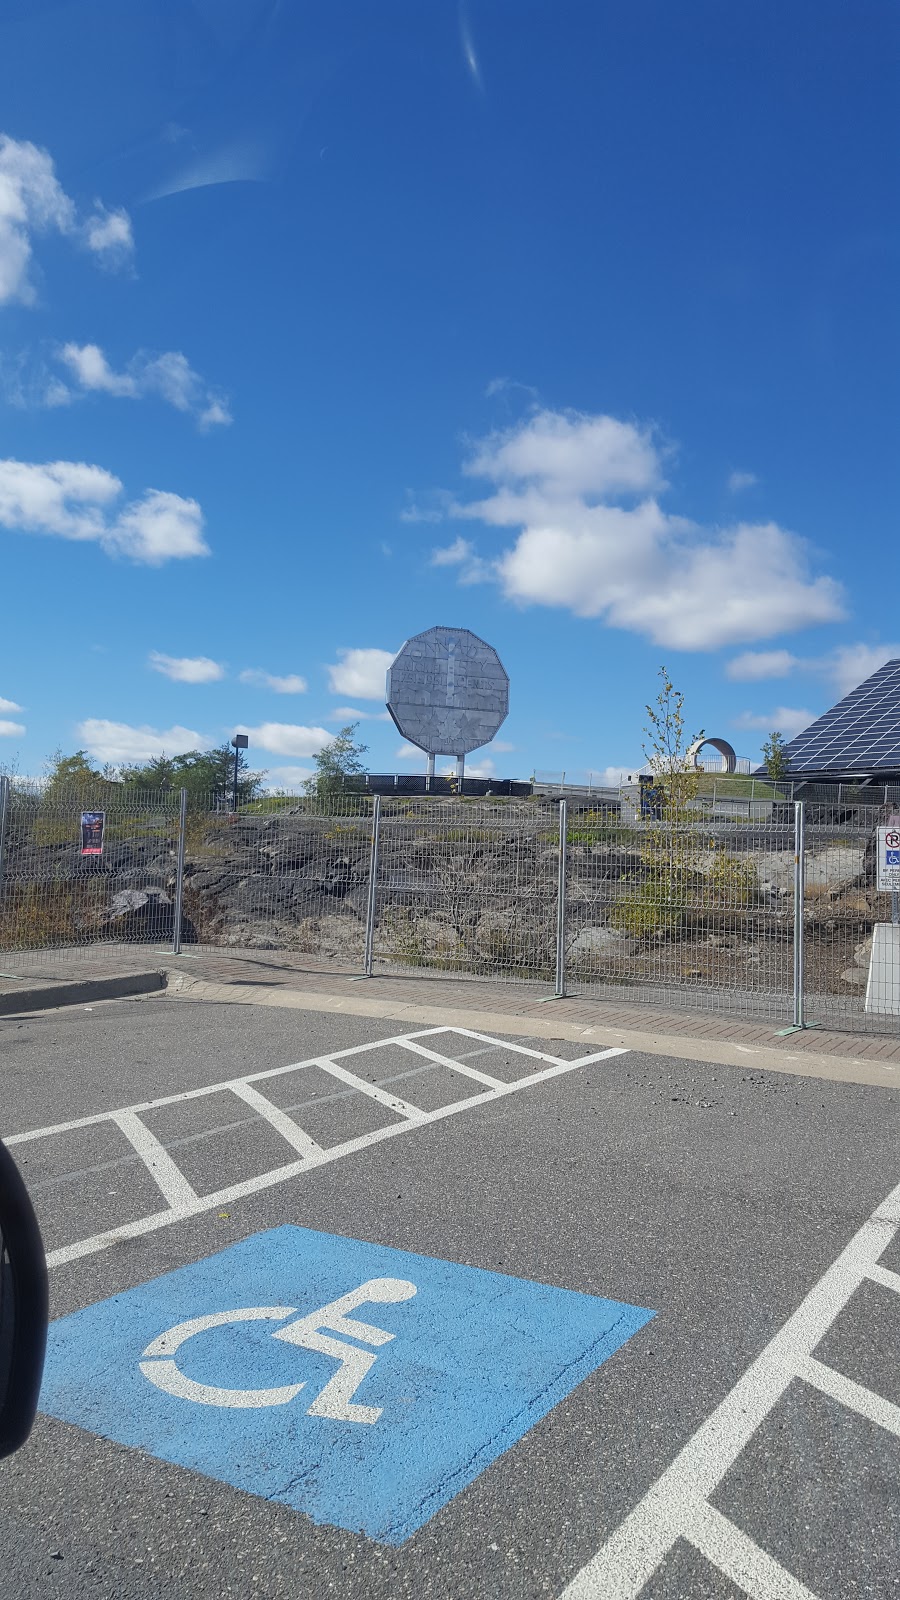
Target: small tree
339	766
666	749
774	751
72	774
658	903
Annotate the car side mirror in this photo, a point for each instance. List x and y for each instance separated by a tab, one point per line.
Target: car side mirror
23	1307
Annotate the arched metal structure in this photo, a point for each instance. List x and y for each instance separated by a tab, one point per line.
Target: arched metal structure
723	747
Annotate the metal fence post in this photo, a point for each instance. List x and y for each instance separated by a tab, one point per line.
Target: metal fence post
373	886
4	813
561	903
179	875
799	895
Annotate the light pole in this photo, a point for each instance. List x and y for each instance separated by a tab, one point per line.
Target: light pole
240	742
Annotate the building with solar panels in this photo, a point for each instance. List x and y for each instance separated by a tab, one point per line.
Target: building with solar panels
856	743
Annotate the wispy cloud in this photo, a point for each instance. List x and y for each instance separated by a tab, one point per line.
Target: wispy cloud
72	500
844	667
8	730
468	48
756	665
243	160
741	480
120	743
33	202
462	554
789	720
352	714
168	377
9	705
186	669
360	673
292	684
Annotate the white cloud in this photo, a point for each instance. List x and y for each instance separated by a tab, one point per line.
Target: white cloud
286	738
9	705
612	777
569	452
409	752
352	714
635	566
170	377
72	500
850	664
159	527
361	673
186	669
502	746
483	768
10	729
755	665
32	202
843	668
108	235
292	684
120	743
741	480
287	777
789	720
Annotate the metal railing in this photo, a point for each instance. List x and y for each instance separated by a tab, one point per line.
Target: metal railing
777	915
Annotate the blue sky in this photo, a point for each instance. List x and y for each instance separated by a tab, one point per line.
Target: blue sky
575	324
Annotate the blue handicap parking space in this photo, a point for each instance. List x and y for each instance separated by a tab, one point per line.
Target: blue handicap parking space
362	1385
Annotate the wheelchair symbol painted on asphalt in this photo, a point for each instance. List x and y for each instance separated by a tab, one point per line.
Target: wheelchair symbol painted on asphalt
362	1385
309	1333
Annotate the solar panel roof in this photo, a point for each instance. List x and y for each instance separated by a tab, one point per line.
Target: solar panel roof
860	734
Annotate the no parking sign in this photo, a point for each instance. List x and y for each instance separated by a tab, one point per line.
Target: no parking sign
889	858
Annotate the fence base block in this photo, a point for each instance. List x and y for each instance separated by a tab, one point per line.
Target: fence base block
883	987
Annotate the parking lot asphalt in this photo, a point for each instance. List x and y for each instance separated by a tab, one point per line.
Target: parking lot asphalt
511	1423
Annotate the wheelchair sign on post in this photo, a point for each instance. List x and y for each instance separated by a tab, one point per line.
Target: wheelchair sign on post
362	1385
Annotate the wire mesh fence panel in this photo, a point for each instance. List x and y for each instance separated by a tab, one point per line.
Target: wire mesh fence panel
698	912
468	888
851	944
87	866
283	873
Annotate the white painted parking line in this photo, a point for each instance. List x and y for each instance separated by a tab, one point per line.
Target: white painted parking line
884	1276
413	1046
170	1179
855	1396
183	1201
383	1096
677	1505
287	1127
752	1569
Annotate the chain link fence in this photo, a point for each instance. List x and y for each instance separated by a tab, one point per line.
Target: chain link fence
467	887
723	913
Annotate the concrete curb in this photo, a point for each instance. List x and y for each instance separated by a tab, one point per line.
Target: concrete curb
77	991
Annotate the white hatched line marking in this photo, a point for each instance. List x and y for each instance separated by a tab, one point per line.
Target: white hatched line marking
884	1276
384	1097
287	1127
267	1180
447	1061
855	1396
505	1044
170	1178
752	1569
671	1507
